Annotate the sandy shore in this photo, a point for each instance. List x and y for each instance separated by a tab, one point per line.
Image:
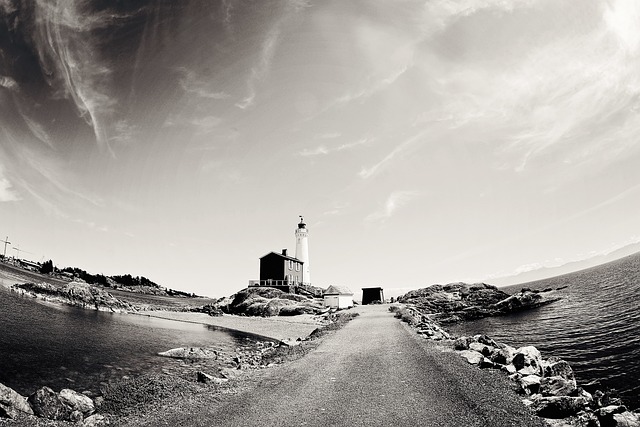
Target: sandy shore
276	328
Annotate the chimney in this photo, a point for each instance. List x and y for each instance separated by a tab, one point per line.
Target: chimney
284	252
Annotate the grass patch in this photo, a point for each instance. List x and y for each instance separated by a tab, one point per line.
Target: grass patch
403	314
129	395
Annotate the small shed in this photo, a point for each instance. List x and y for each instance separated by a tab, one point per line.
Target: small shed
338	297
372	295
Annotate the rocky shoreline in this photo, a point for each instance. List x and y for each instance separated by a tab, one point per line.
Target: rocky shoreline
548	386
201	370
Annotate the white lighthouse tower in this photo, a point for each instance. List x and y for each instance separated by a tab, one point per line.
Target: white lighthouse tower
302	250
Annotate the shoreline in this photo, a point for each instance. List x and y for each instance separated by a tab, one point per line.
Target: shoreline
204	379
547	386
293	333
272	328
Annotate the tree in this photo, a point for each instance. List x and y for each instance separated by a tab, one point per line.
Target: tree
46	267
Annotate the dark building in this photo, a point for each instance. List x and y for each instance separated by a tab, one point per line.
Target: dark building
280	271
372	295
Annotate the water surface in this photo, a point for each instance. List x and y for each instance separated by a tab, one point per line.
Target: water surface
595	327
67	347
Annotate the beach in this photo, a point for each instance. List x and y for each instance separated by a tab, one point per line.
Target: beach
274	328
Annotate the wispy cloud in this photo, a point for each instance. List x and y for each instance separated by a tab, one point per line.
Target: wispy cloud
191	84
324	150
67	53
366	173
8	83
395	201
37	130
124	132
442	13
261	69
7	192
205	125
374	86
267	51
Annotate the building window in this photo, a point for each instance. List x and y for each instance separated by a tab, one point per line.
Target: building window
290	265
297	267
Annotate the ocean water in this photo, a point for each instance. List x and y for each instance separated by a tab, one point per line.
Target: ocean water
67	347
595	326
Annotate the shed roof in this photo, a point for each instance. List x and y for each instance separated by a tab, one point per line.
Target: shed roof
338	290
283	256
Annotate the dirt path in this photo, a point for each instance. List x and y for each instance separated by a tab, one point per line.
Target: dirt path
373	372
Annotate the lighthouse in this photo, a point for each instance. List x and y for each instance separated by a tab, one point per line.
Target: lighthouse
302	250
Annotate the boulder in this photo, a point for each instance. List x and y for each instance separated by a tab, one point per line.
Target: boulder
486	363
190	353
481	348
530	384
558	406
289	342
607	398
77	401
76	416
587	419
509	369
12	403
554	367
626	419
462	343
47	404
557	386
203	377
610	410
95	420
473	357
528	360
503	356
484	339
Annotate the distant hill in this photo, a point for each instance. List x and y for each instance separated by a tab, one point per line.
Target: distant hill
570	267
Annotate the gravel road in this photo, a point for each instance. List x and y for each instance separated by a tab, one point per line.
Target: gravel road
374	372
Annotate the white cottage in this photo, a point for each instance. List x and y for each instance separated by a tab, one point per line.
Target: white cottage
338	297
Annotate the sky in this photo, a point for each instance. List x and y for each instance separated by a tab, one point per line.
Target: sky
423	141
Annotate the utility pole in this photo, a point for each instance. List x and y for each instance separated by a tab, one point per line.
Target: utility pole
6	242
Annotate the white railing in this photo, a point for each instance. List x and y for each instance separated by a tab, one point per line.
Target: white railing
272	282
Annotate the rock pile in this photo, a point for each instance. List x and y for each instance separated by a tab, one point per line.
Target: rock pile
259	301
461	301
424	326
67	405
77	294
549	385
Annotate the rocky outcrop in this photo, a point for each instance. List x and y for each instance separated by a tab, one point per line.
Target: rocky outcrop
263	301
77	294
190	353
549	385
12	403
47	404
460	301
68	405
77	401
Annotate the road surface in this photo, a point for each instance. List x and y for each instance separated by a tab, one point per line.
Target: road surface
374	372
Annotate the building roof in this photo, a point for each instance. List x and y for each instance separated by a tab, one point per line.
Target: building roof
379	288
338	290
283	256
